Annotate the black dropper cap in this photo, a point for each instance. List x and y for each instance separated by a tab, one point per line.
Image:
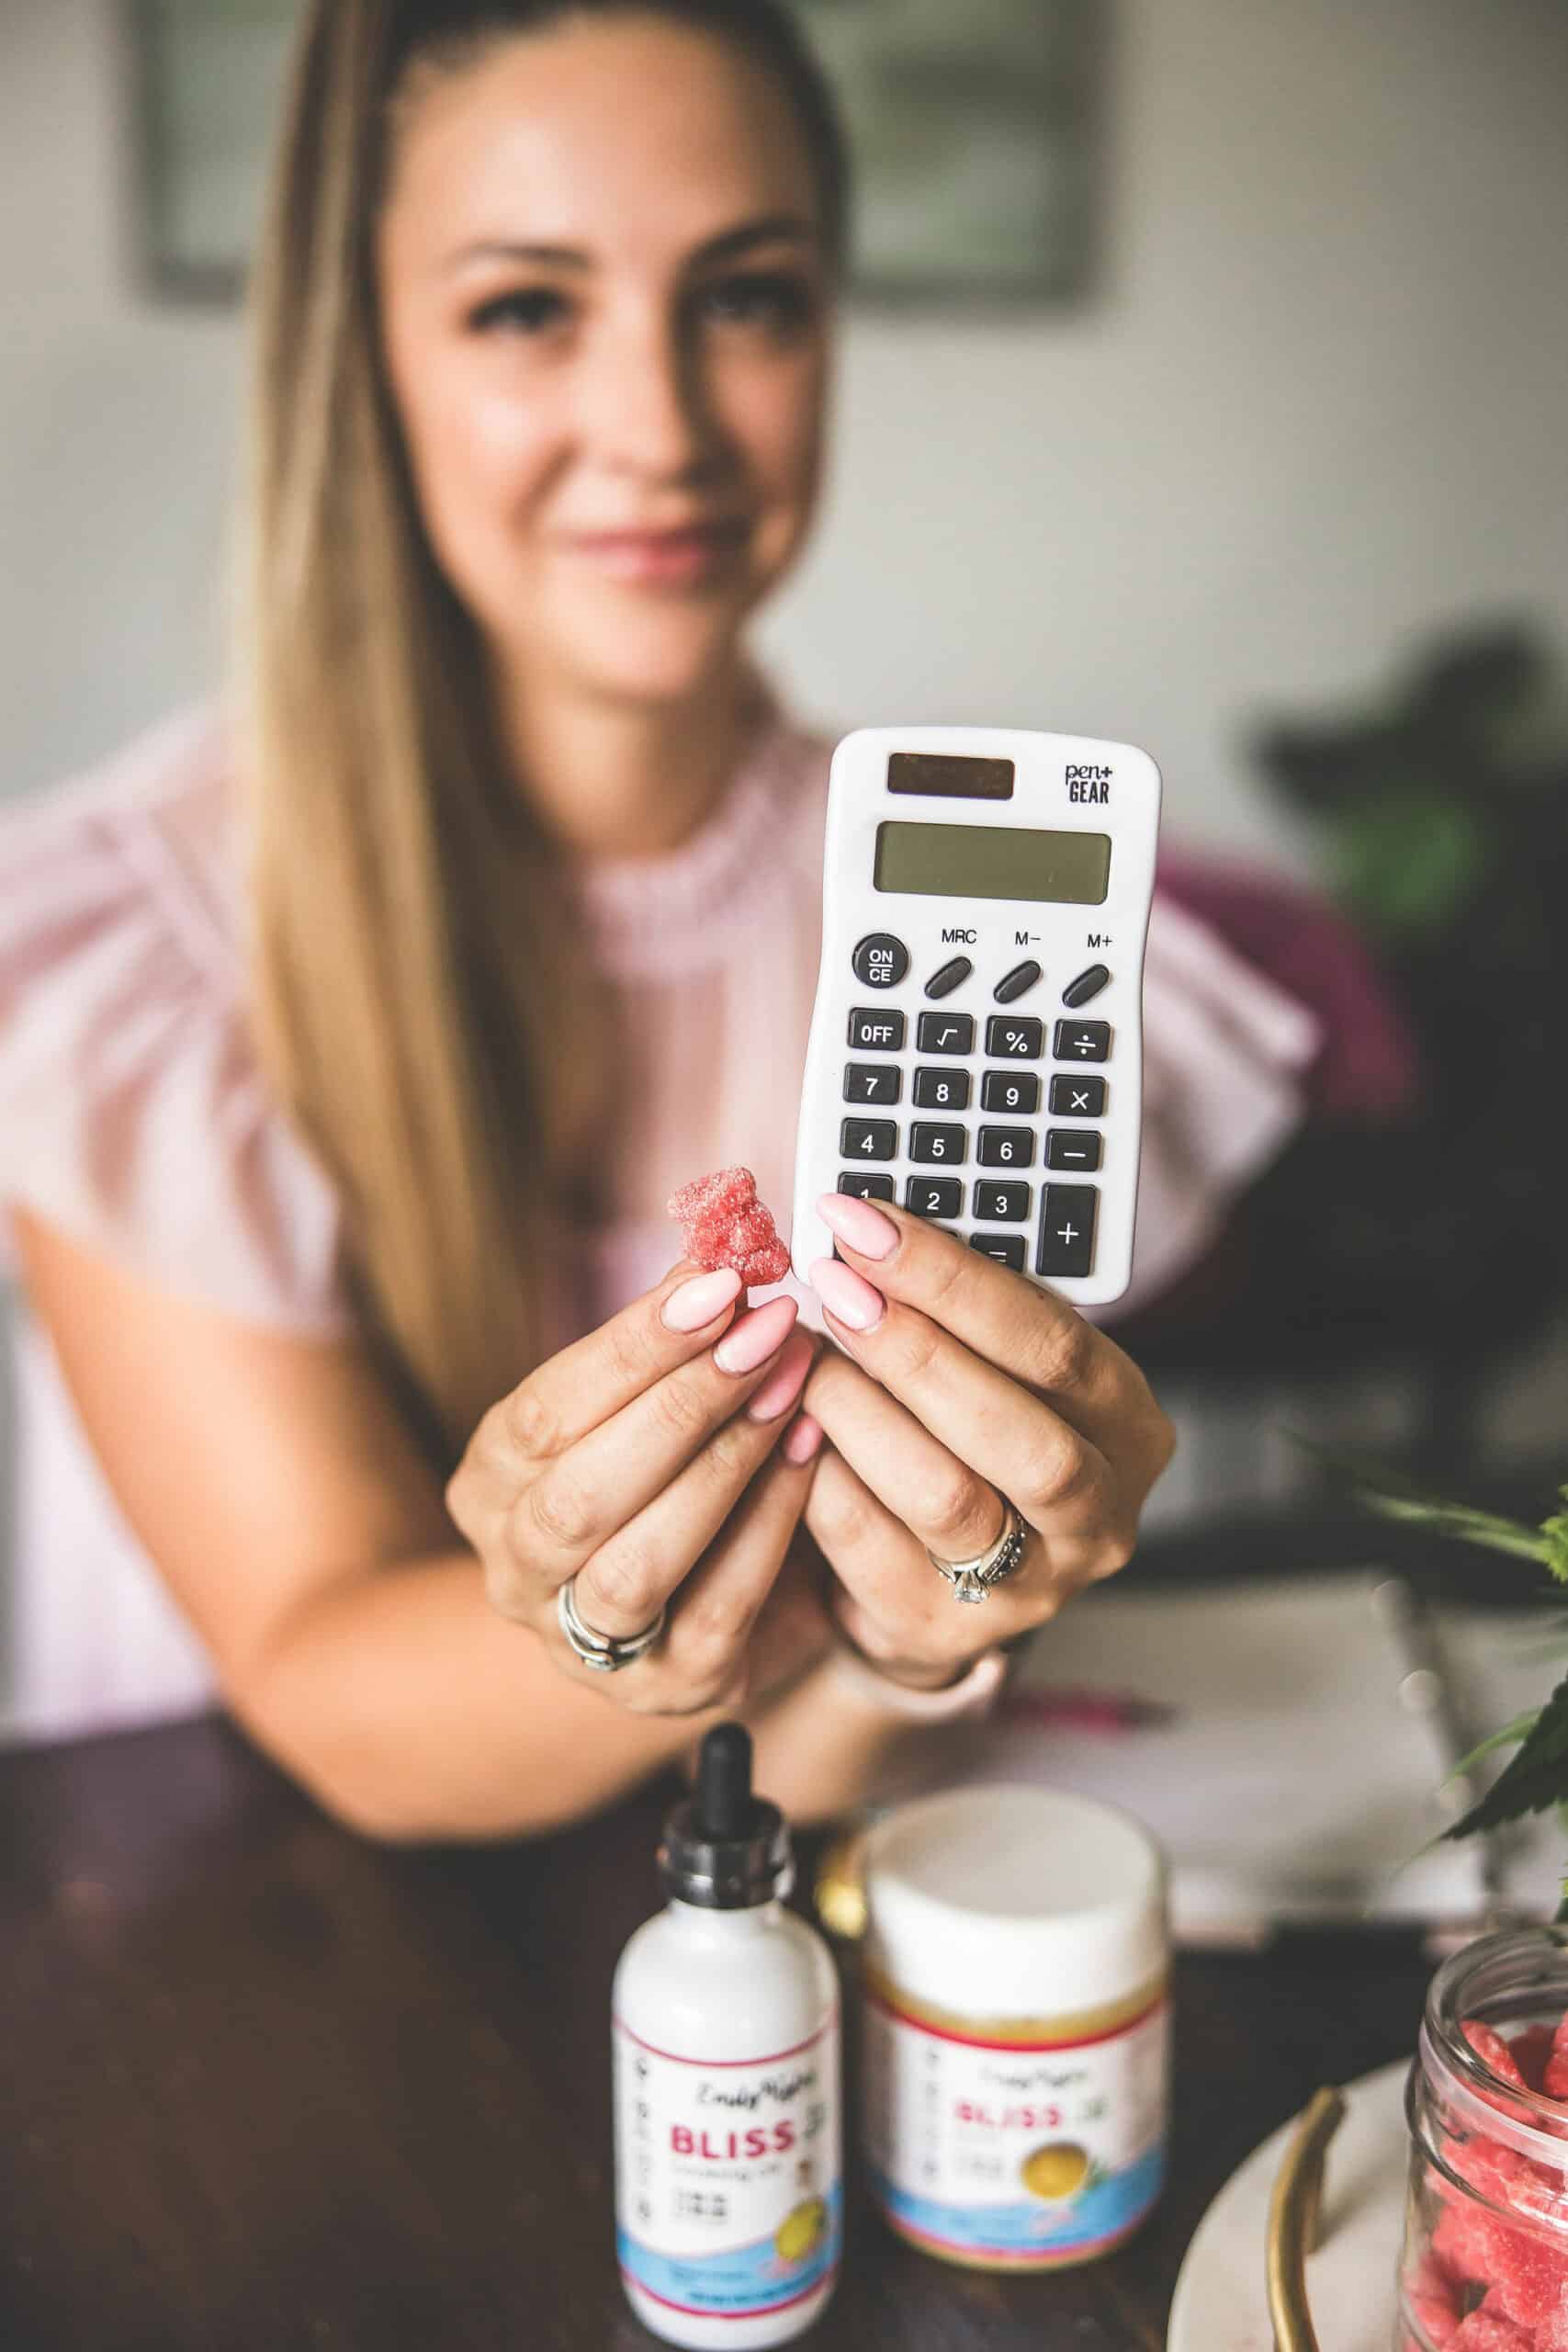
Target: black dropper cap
724	1847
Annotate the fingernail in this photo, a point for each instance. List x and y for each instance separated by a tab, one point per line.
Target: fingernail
784	1385
802	1439
866	1231
752	1340
846	1294
698	1301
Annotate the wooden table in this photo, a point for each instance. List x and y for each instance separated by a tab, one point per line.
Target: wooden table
266	2088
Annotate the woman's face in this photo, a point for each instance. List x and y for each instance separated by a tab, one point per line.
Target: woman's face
604	298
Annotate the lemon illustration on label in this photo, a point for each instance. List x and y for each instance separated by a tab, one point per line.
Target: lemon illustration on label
1056	2171
801	2230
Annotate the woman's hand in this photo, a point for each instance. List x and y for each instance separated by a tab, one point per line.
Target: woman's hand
963	1383
645	1461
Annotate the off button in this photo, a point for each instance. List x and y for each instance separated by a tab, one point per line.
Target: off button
880	960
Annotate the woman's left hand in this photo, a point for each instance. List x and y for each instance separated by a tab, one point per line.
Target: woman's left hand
962	1384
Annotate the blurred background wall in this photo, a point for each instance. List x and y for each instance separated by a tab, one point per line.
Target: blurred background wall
1313	412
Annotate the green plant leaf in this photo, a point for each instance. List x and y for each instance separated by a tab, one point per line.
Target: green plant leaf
1536	1778
1393	1496
1510	1735
1554	1537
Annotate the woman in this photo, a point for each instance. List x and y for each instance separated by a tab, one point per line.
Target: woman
348	1053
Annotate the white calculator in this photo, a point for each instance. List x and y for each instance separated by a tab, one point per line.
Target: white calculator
976	1042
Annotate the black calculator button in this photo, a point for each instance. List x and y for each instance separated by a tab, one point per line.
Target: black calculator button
1077	1098
1088	984
1007	1148
1010	1089
929	1144
949	977
1014	1040
872	1030
933	1195
873	1081
1003	1203
941	1090
1006	1249
1073	1147
1067	1228
945	1033
862	1185
868	1139
1082	1041
1014	984
880	960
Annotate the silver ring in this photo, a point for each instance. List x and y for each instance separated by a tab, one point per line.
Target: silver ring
973	1579
604	1652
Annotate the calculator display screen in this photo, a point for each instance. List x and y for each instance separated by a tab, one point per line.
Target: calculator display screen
993	861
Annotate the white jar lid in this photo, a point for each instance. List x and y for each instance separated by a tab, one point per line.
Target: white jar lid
1006	1901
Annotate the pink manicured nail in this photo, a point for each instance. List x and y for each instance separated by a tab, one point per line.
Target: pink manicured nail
784	1383
802	1439
846	1294
756	1337
698	1301
860	1226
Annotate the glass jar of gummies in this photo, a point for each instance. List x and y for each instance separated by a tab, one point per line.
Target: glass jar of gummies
1016	2026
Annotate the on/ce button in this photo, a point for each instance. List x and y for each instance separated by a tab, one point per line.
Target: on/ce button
880	960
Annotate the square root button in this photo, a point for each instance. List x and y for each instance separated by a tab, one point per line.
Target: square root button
1066	1230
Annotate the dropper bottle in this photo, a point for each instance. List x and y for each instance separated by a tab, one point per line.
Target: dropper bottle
726	2030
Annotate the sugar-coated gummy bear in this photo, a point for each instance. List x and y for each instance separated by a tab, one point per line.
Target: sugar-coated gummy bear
726	1224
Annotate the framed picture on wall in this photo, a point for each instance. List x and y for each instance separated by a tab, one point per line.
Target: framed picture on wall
204	81
974	125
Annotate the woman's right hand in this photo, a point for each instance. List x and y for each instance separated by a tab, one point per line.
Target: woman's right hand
645	1461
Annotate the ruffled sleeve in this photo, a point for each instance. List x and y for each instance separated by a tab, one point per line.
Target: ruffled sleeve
133	1114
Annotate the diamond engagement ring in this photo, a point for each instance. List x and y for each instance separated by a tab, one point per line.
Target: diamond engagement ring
603	1652
972	1579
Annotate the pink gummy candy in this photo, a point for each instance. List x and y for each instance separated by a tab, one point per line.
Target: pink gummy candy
1532	2049
1554	2079
726	1224
1486	2331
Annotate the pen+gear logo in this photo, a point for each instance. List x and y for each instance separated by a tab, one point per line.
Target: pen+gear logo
1088	781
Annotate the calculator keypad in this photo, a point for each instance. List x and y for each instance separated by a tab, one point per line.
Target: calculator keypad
1053	1230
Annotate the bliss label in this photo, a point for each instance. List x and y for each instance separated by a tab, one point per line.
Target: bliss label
727	2174
1023	2155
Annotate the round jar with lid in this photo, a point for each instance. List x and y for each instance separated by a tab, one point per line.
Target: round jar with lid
1016	2025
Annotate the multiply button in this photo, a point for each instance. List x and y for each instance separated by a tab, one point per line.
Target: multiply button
880	960
875	1033
950	976
1088	984
1066	1230
1077	1098
945	1033
1014	984
1082	1041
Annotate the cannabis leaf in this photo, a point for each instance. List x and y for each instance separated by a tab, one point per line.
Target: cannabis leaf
1537	1777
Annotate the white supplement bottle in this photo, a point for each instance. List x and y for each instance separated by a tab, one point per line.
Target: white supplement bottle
729	2206
1016	2024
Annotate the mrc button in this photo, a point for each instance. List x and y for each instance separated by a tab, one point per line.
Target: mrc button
880	960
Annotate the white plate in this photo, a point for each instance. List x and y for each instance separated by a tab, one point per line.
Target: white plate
1220	2303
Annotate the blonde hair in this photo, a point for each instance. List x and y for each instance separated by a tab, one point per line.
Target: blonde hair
418	1008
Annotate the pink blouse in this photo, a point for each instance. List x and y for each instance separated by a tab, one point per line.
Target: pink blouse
134	1117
